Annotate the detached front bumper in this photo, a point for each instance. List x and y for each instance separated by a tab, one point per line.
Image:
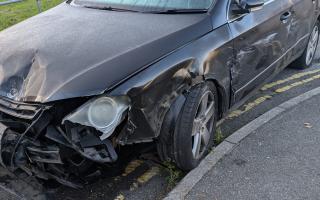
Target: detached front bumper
33	141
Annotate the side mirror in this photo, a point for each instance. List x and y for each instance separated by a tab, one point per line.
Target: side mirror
246	6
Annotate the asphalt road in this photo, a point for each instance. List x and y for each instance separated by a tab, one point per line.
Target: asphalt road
144	177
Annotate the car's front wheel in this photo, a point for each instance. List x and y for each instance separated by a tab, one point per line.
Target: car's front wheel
305	61
195	128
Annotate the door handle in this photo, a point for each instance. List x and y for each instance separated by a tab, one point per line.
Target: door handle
285	16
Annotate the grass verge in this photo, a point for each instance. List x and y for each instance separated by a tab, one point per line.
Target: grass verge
16	12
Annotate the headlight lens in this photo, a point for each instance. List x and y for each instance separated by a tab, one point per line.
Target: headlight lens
103	113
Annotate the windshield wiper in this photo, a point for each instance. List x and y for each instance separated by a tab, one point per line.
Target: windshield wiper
109	8
179	11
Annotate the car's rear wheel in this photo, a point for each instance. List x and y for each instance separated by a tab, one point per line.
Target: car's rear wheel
195	128
305	61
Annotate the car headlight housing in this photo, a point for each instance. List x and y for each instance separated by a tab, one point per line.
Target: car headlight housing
102	113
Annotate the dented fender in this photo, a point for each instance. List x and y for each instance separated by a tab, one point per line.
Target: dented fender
153	90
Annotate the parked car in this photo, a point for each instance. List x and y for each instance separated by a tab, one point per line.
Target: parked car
83	79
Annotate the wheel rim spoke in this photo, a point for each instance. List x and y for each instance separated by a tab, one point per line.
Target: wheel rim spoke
205	136
312	45
204	104
208	113
196	126
315	36
196	145
201	132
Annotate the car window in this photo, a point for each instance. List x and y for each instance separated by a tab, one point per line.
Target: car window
233	16
148	5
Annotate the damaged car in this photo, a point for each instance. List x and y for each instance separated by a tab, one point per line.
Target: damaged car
87	77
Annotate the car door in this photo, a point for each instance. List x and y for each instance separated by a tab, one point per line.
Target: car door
302	22
260	41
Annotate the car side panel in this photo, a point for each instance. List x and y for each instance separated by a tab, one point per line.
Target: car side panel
260	42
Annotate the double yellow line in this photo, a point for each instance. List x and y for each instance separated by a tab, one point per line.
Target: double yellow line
291	78
260	100
142	179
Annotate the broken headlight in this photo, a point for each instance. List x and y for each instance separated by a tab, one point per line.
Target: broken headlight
103	113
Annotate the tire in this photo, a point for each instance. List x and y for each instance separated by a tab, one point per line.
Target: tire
192	126
165	141
305	61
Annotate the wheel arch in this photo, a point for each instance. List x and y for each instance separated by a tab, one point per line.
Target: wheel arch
168	128
175	108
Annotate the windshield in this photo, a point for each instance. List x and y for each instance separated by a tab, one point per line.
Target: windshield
148	5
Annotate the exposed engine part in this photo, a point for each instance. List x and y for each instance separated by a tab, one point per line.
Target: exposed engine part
43	148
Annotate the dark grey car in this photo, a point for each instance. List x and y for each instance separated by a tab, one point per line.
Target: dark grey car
83	79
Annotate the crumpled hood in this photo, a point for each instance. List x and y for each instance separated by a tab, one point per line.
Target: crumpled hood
71	51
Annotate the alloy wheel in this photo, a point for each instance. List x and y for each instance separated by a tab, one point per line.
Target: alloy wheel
203	124
312	45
